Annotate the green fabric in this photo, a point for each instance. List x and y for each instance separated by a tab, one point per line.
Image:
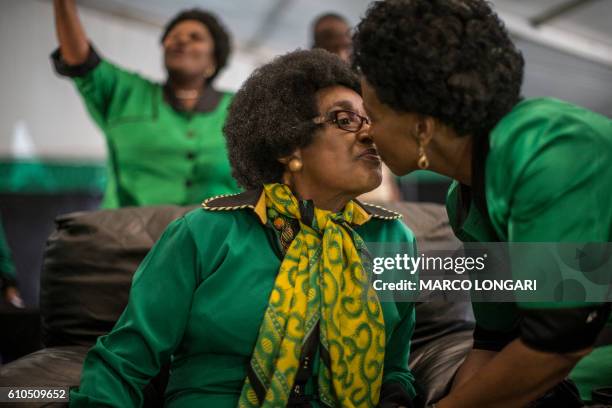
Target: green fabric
42	176
424	177
198	300
7	268
594	371
548	179
156	154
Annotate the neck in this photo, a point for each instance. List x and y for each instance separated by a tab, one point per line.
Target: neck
187	90
184	84
333	201
451	155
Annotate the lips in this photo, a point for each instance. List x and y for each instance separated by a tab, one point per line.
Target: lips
370	154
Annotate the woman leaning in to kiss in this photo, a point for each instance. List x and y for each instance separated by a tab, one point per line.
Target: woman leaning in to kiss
442	82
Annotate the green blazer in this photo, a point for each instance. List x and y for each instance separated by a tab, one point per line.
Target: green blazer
197	301
548	178
157	154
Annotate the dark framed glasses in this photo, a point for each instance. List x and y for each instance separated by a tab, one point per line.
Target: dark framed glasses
346	120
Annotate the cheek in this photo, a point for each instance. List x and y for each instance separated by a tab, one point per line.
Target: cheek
384	140
395	149
204	49
328	162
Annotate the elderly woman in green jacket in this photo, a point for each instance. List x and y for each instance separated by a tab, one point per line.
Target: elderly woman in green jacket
441	83
262	299
165	143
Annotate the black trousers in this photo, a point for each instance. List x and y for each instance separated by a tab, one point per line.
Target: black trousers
19	331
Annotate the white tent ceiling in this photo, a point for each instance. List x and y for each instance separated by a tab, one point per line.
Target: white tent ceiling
567	43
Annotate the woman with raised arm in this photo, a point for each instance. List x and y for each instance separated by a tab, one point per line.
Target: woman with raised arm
165	143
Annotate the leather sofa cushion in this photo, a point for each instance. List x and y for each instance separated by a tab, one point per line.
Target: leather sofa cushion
88	268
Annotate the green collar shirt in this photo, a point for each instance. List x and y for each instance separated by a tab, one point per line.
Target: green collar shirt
157	153
197	302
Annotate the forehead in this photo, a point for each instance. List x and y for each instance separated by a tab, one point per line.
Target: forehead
339	96
331	23
189	26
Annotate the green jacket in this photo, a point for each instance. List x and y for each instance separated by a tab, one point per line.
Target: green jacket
197	301
157	154
548	178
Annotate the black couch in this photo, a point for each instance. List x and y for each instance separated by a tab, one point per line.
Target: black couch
88	266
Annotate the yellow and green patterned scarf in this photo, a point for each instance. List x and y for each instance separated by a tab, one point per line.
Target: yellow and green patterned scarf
320	281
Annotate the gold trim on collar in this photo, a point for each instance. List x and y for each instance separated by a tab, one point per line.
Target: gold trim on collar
239	201
255	200
379	212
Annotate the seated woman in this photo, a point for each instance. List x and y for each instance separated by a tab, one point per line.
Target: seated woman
261	298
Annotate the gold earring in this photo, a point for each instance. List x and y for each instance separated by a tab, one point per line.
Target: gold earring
423	161
295	165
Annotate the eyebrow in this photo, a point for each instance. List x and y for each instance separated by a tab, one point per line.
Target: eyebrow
347	105
344	104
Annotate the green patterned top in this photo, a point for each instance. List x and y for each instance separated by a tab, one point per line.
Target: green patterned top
548	178
198	301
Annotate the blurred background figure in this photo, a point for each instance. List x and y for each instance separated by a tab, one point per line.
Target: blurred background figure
165	140
19	328
8	282
331	32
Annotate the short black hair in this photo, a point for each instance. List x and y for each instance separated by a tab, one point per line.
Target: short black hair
272	114
219	33
450	59
317	39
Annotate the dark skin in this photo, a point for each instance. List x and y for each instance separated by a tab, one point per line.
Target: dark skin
188	51
486	379
189	58
12	295
338	165
336	37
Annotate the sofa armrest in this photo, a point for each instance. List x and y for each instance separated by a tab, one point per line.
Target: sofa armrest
434	364
50	367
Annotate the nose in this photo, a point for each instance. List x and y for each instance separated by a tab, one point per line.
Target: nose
364	135
180	39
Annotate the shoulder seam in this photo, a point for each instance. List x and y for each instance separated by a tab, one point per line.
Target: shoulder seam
225	208
396	215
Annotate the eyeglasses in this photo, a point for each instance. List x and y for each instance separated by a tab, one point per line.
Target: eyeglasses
346	120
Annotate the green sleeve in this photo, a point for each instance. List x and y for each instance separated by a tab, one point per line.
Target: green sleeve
105	89
397	351
558	198
7	268
122	362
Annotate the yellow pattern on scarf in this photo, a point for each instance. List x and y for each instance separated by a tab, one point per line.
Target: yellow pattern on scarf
320	281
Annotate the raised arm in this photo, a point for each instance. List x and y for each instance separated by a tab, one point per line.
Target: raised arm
71	36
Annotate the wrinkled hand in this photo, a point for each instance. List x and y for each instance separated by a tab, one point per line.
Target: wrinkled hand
11	294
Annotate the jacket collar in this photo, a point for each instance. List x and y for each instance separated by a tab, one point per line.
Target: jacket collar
208	101
254	200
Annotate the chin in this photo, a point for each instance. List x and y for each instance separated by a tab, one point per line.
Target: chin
372	184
